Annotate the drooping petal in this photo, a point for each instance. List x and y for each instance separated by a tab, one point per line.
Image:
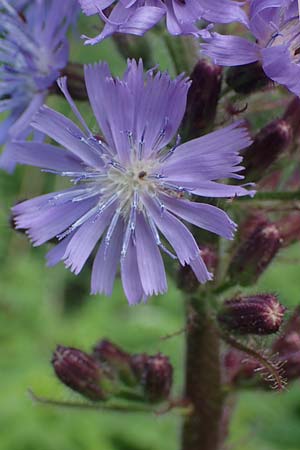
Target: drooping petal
202	215
150	263
85	239
278	65
42	225
46	156
66	133
106	263
210	157
131	279
230	50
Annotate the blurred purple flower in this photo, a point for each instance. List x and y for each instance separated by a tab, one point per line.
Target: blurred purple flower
275	27
129	187
138	16
33	50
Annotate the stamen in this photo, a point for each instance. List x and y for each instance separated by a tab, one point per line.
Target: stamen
172	150
161	134
141	144
78	223
110	231
130	225
157	238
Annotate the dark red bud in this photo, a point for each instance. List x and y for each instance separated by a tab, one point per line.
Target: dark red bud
268	144
203	98
260	314
155	374
79	371
254	254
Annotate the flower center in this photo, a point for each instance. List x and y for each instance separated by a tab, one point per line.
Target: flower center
137	178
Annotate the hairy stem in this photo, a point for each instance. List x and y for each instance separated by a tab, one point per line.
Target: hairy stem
202	428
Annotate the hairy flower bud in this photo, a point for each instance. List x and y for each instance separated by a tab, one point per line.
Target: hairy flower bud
268	144
260	314
81	372
247	78
116	359
254	254
155	373
203	97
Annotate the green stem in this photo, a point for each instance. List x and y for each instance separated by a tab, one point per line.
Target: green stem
202	428
271	196
182	52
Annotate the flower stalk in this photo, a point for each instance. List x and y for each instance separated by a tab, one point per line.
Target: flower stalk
203	388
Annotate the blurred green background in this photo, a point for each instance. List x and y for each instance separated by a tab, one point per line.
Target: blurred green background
41	307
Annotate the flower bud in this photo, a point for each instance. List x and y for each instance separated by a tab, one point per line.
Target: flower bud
289	227
259	314
81	372
155	374
247	78
254	254
203	97
116	359
268	144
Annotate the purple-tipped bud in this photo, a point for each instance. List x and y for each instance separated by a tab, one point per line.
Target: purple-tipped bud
254	254
203	97
156	374
80	372
260	314
117	360
268	144
247	78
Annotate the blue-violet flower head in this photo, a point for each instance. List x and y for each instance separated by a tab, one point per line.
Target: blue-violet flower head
130	190
275	26
33	50
138	16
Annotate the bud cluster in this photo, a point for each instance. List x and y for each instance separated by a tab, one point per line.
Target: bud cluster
111	372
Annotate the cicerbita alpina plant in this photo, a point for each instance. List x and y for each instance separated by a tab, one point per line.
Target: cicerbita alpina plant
138	16
129	186
33	50
276	28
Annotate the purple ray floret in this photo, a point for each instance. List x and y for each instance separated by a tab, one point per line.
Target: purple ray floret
138	16
275	27
131	189
33	50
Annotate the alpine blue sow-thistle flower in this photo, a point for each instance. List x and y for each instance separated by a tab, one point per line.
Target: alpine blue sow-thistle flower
138	16
275	27
130	188
33	50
